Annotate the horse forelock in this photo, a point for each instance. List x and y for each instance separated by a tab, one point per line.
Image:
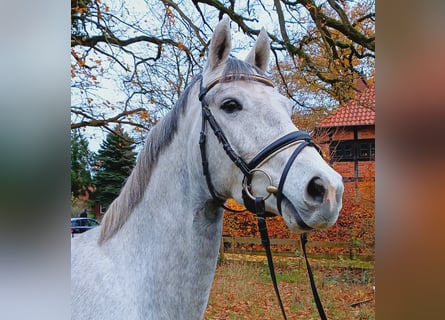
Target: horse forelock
236	66
232	67
131	194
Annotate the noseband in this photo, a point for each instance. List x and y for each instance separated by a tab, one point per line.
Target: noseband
256	204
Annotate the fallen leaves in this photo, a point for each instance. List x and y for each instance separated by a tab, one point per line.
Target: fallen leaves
243	290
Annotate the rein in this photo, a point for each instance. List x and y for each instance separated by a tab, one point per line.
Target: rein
256	204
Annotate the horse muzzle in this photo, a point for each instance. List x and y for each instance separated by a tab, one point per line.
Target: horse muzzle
322	193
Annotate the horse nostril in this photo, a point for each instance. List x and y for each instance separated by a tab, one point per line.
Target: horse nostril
316	189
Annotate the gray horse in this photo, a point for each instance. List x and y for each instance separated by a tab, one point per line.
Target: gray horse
155	254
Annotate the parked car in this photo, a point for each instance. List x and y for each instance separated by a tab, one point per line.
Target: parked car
79	225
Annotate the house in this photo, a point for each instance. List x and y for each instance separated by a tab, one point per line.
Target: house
347	137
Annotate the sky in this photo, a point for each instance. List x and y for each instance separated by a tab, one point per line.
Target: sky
108	86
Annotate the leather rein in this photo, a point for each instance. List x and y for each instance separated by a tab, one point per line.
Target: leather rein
256	204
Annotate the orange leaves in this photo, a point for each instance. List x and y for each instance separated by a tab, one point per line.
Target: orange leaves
243	290
327	61
180	46
232	204
80	60
80	9
244	224
170	15
355	224
144	115
309	6
73	69
90	71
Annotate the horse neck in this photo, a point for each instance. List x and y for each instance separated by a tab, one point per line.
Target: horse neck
171	239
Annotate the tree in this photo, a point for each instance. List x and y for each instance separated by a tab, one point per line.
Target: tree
81	159
150	52
114	162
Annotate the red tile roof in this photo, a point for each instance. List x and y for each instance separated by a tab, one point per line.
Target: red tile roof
358	111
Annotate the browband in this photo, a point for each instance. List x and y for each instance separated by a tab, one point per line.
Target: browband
233	77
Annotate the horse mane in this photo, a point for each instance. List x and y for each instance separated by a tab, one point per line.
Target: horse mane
133	190
158	138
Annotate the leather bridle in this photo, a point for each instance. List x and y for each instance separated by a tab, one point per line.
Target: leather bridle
248	169
256	204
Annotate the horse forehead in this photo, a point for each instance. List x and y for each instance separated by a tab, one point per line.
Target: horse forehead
267	99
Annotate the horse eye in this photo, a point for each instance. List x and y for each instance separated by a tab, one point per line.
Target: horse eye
231	106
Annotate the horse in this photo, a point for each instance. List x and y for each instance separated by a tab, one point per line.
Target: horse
155	254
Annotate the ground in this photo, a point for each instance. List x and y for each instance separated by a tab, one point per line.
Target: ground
243	290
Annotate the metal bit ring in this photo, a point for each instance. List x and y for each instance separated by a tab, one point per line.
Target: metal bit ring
270	188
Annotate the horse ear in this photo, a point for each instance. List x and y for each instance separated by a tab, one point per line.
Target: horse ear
221	43
259	54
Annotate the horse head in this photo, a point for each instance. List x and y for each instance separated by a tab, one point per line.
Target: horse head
255	119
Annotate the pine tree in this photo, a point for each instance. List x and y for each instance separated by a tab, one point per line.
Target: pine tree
81	159
114	162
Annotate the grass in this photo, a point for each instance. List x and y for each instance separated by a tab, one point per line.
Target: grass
243	291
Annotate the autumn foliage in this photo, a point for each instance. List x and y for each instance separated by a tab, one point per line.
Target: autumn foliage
355	224
244	224
244	291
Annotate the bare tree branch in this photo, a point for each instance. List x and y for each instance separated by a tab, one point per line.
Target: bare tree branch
93	122
323	48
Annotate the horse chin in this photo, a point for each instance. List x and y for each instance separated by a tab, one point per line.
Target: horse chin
305	218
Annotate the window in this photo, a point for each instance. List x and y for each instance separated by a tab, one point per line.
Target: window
92	223
342	151
352	150
366	150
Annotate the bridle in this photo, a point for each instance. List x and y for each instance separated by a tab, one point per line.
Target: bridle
256	204
250	168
